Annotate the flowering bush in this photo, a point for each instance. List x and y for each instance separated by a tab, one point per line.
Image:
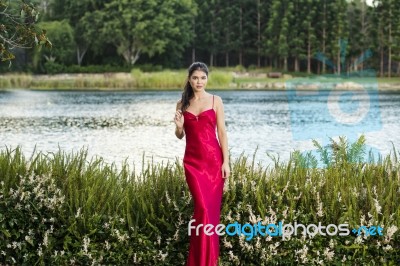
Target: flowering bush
63	209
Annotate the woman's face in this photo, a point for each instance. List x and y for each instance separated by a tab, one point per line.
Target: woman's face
198	80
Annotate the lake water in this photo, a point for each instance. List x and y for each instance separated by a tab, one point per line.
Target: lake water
129	125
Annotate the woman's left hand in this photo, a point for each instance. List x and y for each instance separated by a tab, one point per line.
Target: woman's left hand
225	170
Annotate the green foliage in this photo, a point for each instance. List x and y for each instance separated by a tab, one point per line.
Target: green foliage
68	209
63	51
283	35
18	29
148	27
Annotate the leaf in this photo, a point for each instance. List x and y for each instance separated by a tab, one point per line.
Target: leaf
6	233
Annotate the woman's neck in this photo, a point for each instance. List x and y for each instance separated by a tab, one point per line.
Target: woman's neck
199	95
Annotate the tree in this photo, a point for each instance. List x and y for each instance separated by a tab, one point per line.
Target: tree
146	26
80	14
338	34
62	36
17	28
272	31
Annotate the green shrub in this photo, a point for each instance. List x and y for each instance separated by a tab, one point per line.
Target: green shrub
68	209
150	68
53	67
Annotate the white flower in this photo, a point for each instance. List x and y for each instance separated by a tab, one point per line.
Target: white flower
358	240
331	243
86	242
389	233
298	197
46	239
387	248
285	211
162	256
167	197
377	206
320	211
233	257
302	254
374	191
329	254
78	213
39	251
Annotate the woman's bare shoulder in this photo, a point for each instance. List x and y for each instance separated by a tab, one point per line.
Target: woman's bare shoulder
218	100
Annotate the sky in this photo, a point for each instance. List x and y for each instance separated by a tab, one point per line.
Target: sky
369	2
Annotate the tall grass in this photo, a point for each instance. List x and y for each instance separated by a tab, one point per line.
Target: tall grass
167	79
71	209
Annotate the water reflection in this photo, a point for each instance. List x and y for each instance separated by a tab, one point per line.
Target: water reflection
126	125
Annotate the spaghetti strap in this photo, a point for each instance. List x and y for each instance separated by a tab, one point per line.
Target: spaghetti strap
213	102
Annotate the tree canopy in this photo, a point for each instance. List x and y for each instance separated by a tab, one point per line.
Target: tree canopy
314	36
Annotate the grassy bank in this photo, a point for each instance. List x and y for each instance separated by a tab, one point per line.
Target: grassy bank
170	80
68	209
125	81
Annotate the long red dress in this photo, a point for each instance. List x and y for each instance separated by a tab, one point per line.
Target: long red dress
202	163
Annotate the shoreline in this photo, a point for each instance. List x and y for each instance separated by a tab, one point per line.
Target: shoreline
239	82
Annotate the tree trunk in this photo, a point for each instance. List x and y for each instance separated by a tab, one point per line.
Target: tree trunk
362	33
390	50
338	60
309	55
211	59
398	69
382	73
259	34
285	68
241	36
324	42
80	54
227	59
193	54
323	51
296	64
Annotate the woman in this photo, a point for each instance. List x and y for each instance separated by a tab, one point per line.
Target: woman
206	161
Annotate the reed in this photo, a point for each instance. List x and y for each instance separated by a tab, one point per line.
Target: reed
166	79
60	208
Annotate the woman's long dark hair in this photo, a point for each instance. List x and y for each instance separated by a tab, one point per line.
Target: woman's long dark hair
188	93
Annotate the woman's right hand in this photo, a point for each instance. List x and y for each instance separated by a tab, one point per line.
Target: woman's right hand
179	120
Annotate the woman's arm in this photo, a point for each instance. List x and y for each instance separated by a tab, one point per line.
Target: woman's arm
178	119
222	136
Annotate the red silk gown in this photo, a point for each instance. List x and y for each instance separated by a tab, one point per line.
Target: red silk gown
202	163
